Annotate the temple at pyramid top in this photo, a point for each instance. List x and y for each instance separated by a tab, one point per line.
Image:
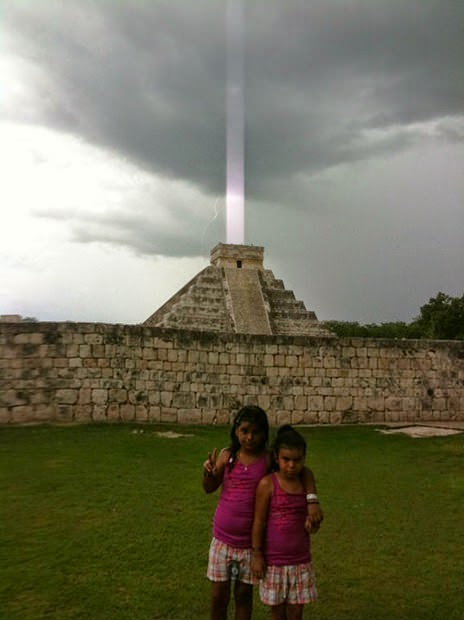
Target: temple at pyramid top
236	294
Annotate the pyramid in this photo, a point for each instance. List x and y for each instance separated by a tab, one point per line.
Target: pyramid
235	294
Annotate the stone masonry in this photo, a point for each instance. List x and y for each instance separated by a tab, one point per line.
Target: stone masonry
236	294
82	372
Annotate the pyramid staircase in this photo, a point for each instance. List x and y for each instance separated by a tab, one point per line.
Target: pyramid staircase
235	294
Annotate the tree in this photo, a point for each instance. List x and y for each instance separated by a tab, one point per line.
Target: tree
373	330
442	318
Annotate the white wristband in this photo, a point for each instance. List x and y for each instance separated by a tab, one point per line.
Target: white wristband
311	497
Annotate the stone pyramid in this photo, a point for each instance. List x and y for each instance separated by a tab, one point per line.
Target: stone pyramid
235	294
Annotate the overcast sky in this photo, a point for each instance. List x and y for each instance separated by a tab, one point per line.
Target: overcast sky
112	133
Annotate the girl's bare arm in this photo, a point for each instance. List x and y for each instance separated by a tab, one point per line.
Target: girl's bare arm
315	514
262	499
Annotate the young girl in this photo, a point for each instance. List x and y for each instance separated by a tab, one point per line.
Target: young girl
281	555
239	468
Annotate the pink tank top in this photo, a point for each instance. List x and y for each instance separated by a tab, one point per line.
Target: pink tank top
287	541
233	519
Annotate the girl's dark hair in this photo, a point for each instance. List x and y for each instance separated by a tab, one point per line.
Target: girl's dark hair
254	415
288	437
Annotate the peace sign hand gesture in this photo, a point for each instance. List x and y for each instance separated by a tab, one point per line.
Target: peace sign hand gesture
213	470
209	466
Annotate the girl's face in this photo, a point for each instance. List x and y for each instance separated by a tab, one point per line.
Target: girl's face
250	437
290	462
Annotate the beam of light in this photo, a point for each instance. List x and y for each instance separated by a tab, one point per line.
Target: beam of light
235	187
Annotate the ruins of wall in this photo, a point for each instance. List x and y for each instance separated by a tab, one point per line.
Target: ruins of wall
81	372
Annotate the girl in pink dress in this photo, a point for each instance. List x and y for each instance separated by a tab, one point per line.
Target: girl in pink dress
281	552
238	470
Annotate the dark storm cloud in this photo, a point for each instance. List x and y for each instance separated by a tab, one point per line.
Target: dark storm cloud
147	79
330	70
326	83
144	80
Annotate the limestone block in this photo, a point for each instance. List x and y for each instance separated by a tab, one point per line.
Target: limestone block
154	414
141	413
98	413
98	350
311	417
127	412
321	417
301	402
154	397
85	350
99	396
291	361
329	403
264	401
439	404
393	403
280	417
66	396
334	417
223	417
166	398
64	413
112	412
168	414
117	395
93	338
5	415
22	414
160	343
183	400
343	403
297	417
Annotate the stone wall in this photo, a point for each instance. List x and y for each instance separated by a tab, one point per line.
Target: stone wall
72	372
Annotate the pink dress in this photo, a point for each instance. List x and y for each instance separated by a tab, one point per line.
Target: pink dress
233	519
287	541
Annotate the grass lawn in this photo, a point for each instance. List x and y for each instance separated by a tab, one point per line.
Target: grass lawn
104	522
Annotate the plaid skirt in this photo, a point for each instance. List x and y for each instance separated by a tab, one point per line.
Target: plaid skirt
221	557
292	584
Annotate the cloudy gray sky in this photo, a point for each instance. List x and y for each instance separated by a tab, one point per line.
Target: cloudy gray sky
112	128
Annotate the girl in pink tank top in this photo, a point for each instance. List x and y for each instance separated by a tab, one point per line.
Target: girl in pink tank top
238	470
281	553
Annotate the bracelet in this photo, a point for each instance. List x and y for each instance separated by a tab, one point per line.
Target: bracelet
311	498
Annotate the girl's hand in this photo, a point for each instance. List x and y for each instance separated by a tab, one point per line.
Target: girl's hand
209	466
314	518
258	565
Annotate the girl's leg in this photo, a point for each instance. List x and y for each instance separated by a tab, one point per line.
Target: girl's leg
243	600
294	612
220	596
278	612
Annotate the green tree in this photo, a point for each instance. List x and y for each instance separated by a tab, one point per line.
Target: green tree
442	318
397	329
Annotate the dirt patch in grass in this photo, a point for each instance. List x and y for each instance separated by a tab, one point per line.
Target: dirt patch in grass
173	435
417	432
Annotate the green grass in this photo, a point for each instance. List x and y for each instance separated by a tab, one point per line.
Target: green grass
100	522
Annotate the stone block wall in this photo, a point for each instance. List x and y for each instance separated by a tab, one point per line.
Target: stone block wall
72	372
